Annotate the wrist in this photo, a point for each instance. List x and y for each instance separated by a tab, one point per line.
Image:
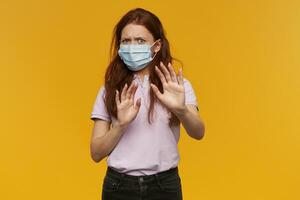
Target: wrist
182	111
120	125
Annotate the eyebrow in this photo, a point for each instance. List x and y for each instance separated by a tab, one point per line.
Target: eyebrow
135	38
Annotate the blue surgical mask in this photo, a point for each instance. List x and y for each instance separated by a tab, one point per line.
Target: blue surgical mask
136	56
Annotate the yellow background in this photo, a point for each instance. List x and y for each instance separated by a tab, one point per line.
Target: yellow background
242	58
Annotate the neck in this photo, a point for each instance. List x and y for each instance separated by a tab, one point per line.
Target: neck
142	73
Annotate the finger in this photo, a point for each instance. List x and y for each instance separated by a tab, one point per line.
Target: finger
123	92
172	72
117	98
180	76
160	75
156	91
128	93
165	71
138	103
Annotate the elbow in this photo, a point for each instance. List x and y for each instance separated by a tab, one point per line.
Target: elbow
200	135
96	158
97	154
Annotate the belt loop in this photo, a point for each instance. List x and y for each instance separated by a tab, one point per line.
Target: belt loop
158	182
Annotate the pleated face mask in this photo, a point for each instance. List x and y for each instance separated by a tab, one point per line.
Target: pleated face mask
136	56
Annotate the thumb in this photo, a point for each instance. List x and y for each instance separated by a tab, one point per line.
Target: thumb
138	103
156	90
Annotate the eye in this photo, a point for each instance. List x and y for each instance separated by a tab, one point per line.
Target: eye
141	41
124	41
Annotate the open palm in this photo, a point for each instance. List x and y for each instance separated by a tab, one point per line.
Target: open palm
173	96
127	111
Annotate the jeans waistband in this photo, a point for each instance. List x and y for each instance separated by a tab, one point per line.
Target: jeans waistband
113	172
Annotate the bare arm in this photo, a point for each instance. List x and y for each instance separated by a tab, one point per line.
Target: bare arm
191	121
173	97
103	139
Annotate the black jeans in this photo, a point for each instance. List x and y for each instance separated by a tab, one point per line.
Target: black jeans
164	185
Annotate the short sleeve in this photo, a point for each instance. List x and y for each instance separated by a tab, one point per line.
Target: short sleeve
99	109
190	96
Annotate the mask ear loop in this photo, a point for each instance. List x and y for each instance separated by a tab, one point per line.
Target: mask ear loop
155	52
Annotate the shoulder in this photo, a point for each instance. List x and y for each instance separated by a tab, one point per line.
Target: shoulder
186	83
185	80
102	90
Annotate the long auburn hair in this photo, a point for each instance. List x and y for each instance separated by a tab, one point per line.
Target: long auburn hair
117	74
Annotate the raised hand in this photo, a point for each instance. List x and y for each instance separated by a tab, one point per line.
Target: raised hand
127	111
173	96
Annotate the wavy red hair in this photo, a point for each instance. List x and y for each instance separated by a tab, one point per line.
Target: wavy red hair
117	74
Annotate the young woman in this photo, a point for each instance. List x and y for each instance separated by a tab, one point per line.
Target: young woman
137	113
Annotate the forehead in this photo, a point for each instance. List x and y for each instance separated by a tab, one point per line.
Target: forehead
135	30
